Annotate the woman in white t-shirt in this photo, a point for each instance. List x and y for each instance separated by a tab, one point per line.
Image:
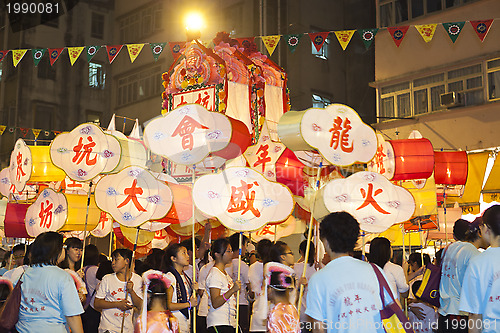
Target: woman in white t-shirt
221	316
180	296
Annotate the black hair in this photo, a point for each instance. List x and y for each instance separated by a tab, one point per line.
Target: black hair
340	230
75	243
156	290
439	257
4	293
262	248
416	257
19	247
491	217
219	246
188	243
414	288
105	268
460	229
102	258
91	255
312	251
234	241
124	253
46	248
154	259
276	282
171	251
276	251
26	259
380	251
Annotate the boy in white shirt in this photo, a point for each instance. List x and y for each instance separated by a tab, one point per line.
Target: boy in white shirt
118	293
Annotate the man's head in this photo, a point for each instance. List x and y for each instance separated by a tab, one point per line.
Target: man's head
234	240
18	255
339	232
121	259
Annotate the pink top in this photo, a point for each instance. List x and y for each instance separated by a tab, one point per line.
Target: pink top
158	322
283	318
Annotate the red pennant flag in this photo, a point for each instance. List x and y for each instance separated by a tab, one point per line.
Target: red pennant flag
318	39
481	28
245	42
113	51
175	48
3	54
398	33
24	131
54	54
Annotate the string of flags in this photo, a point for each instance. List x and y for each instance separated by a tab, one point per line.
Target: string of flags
398	33
25	131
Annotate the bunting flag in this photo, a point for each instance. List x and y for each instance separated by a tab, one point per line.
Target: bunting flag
113	51
481	28
453	29
344	37
46	133
318	39
293	41
12	129
175	48
157	49
37	55
91	51
54	54
36	132
2	55
398	33
74	54
271	42
2	129
245	42
17	55
368	36
56	132
134	50
426	31
24	131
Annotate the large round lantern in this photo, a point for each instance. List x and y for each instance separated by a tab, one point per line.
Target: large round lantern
451	168
413	159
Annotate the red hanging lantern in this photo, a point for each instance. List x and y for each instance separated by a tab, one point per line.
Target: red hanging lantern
289	172
451	168
240	140
14	225
413	159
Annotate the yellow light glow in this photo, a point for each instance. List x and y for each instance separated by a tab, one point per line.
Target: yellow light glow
194	22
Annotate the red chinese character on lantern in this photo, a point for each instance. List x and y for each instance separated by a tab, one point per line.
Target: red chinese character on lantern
379	159
185	130
340	135
238	203
103	218
370	200
203	101
83	151
182	102
132	195
263	157
74	184
46	214
19	170
265	231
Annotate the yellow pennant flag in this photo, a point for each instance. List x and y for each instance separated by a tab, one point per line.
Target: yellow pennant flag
74	53
17	55
36	132
271	42
2	129
426	31
134	50
344	37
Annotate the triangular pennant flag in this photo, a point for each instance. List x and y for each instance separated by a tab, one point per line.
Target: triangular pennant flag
344	37
245	42
54	54
271	42
134	50
426	31
318	39
175	48
453	29
74	53
24	131
56	132
113	51
157	49
12	129
17	55
481	28
91	51
368	36
2	55
112	126
36	132
293	41
2	129
37	55
398	33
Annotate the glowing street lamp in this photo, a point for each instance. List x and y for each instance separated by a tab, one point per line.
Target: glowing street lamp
194	23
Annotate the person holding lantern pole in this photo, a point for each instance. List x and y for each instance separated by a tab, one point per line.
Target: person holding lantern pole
256	278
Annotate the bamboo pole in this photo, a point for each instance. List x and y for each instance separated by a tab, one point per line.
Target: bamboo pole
239	273
194	248
86	221
127	278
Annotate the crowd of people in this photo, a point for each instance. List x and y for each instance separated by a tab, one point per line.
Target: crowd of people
342	293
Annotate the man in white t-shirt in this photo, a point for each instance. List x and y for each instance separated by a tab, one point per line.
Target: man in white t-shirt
344	296
118	294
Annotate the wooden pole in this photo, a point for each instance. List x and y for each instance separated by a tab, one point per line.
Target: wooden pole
194	248
239	273
127	278
86	221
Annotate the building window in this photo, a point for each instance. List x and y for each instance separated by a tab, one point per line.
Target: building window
45	70
141	24
97	75
493	79
94	117
97	26
44	116
320	101
139	86
323	51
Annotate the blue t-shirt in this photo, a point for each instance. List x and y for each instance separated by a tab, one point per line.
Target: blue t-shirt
48	296
455	262
481	289
345	295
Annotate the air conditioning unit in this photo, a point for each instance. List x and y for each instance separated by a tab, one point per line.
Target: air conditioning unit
452	99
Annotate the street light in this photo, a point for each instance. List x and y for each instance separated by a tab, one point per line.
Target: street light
194	23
